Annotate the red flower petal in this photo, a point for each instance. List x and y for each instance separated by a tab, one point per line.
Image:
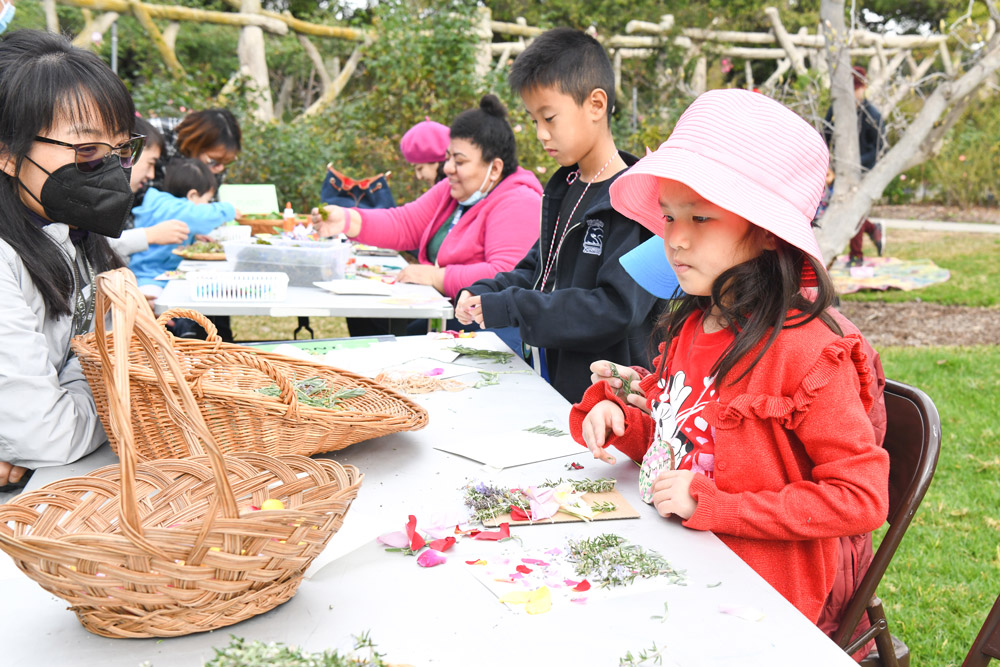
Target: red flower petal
416	540
501	534
582	586
524	569
443	544
518	514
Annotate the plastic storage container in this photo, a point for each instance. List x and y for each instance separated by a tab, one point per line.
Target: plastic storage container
231	233
305	262
237	286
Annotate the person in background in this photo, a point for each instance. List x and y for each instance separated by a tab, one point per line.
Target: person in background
871	139
759	420
169	231
569	298
473	225
212	136
425	146
189	190
66	141
7	11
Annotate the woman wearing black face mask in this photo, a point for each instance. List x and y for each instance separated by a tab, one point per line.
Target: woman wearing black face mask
66	142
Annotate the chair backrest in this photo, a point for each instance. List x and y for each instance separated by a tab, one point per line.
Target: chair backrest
913	440
987	644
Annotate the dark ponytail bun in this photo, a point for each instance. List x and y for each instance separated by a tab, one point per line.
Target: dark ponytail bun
492	105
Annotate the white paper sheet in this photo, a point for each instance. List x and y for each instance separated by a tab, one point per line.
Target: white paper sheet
359	286
513	448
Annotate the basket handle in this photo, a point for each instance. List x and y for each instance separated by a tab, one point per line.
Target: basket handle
206	324
118	294
287	392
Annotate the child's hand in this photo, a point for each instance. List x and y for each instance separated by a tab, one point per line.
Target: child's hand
469	309
672	494
617	375
167	232
604	418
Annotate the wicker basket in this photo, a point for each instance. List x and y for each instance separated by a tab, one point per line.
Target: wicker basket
225	379
172	547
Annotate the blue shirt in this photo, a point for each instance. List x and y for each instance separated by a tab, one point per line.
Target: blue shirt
159	206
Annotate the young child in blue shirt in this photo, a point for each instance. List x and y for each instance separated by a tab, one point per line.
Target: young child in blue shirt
190	188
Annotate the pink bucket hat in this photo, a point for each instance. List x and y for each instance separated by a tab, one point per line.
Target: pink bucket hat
427	141
742	151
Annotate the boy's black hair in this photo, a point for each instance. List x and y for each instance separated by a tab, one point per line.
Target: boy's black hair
754	298
487	127
566	59
184	174
45	80
153	136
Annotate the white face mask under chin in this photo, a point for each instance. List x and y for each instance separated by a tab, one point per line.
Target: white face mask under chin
478	195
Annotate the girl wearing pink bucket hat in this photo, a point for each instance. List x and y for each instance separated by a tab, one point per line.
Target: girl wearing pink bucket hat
763	419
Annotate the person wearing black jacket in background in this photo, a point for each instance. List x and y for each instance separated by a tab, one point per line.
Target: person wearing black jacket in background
871	138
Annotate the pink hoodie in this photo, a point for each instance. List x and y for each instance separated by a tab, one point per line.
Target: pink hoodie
490	238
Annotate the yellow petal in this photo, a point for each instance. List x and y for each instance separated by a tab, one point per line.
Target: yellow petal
516	597
540	602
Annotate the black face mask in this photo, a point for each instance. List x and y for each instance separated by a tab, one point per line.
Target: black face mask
98	201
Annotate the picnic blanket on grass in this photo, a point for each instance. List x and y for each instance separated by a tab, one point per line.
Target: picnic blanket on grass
882	273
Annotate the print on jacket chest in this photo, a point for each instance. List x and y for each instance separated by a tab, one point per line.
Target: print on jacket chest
593	238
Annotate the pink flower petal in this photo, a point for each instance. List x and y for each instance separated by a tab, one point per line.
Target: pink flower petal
517	575
534	561
397	540
431	558
579	600
434	371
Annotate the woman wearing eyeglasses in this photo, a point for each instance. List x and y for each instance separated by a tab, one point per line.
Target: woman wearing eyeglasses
211	135
66	141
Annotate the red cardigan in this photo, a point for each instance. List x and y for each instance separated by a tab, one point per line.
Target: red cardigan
492	236
797	464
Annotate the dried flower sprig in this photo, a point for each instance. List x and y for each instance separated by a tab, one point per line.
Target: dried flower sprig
612	561
488	502
240	652
651	656
542	429
626	388
493	355
604	507
315	393
586	485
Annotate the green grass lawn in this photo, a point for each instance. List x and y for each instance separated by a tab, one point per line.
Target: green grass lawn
946	573
972	260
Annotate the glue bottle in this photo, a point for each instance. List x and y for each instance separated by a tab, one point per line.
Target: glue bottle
288	218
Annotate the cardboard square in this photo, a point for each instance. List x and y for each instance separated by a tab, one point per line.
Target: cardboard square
622	511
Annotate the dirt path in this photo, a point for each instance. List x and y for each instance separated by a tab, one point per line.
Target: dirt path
917	324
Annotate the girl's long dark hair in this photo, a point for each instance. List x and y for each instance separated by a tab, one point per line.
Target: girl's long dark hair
44	78
756	300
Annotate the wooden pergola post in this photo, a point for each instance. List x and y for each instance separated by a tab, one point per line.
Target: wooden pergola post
253	63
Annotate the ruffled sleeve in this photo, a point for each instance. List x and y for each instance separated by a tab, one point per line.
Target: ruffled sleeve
840	486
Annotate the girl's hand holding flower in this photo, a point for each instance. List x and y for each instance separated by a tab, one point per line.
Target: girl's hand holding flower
604	418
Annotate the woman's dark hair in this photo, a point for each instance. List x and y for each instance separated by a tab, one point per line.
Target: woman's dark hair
201	131
153	136
754	299
440	175
487	128
185	174
44	80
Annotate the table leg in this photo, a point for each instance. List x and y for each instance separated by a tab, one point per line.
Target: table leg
303	324
435	324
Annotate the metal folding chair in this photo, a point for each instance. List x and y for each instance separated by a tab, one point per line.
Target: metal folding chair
987	644
913	440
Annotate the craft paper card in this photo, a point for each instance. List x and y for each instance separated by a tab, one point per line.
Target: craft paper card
256	198
362	287
622	511
435	368
517	448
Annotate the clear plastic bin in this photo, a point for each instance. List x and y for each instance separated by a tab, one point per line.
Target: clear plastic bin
237	286
305	262
231	233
